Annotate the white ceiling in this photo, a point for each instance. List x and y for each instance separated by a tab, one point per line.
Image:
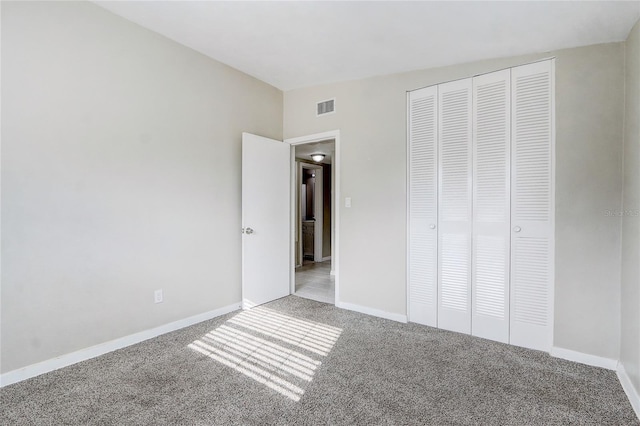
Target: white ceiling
304	43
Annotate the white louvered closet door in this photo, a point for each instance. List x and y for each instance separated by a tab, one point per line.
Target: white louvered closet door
454	206
491	206
423	187
532	243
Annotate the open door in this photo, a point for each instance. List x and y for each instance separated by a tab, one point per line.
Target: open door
265	219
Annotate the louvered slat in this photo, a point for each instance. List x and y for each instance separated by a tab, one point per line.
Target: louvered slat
454	259
454	204
489	278
422	270
532	209
491	205
530	294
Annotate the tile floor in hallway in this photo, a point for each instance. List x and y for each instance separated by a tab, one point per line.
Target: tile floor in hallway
314	281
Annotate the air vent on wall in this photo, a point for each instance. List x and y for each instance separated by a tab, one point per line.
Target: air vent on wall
326	107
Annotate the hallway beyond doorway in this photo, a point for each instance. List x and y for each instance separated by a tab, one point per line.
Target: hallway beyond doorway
314	281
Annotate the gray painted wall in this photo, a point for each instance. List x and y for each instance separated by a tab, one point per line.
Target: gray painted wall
630	340
121	166
372	120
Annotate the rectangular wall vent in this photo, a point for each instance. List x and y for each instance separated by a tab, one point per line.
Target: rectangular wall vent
326	107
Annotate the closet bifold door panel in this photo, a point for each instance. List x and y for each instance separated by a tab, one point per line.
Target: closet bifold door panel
422	208
491	206
454	206
532	242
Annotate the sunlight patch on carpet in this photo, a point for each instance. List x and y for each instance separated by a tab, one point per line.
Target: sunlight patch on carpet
274	349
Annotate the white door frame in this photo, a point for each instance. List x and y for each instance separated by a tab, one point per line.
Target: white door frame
318	210
335	206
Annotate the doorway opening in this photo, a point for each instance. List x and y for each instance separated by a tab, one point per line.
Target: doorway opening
314	217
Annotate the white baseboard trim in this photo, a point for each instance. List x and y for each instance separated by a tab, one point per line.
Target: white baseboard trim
632	393
65	360
324	259
371	311
582	358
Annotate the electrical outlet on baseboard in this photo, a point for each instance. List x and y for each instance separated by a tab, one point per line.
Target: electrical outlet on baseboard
157	296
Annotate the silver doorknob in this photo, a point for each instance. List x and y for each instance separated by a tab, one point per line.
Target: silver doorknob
517	229
248	231
432	226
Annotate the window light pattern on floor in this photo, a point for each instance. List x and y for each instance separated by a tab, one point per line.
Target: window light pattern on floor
272	348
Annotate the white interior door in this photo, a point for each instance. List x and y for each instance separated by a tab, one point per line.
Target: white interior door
265	219
423	206
454	206
491	205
